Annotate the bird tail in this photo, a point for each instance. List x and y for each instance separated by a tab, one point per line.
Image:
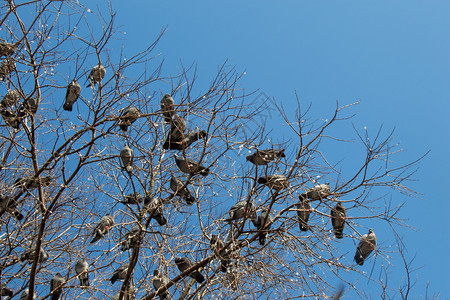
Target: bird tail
96	238
224	265
190	199
262	180
303	227
114	278
262	239
359	258
198	277
204	172
281	153
84	281
124	127
338	234
67	107
55	295
18	215
160	219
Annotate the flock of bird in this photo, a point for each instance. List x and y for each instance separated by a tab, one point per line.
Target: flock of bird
176	139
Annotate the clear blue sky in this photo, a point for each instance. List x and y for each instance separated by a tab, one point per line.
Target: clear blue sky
392	55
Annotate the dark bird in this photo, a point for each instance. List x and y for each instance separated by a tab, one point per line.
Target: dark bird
126	155
7	49
217	246
28	255
185	142
176	185
11	98
56	286
167	107
129	294
6	67
189	166
6	291
338	214
303	212
72	93
318	192
25	294
185	263
263	219
130	239
28	107
97	73
176	132
275	182
8	204
31	183
129	116
82	270
134	198
366	245
263	157
10	118
241	210
158	281
119	273
102	228
153	206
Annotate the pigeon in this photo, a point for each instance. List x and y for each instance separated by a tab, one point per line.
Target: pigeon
263	157
153	206
241	210
31	183
189	166
6	291
134	198
338	214
8	204
263	219
275	182
129	115
97	73
167	107
318	192
10	118
303	212
6	67
158	281
28	107
119	273
7	49
25	294
72	94
82	269
217	246
130	239
102	227
126	156
176	132
176	185
28	255
11	98
185	142
185	263
366	246
129	294
56	286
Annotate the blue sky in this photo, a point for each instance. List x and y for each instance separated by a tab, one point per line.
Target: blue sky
394	56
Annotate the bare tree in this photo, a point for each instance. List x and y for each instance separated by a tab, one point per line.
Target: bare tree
111	176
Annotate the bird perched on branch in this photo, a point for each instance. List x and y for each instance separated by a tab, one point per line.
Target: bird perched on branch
119	273
177	186
185	263
10	118
6	67
263	219
97	73
217	246
31	183
318	192
153	206
303	212
366	245
7	49
8	204
167	107
185	142
29	254
82	270
187	165
131	238
6	291
102	227
243	209
134	198
56	284
11	98
338	214
126	155
275	182
72	93
158	281
176	131
28	107
25	294
263	157
128	117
